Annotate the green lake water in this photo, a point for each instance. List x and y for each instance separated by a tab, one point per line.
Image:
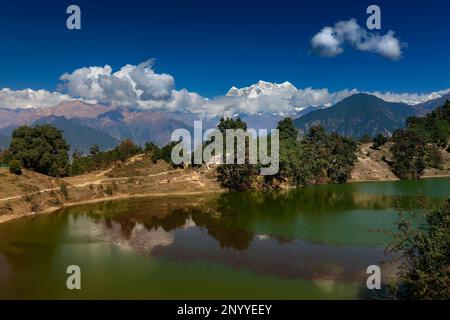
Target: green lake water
309	243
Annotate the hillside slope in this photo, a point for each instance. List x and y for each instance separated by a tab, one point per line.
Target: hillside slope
34	193
372	165
359	115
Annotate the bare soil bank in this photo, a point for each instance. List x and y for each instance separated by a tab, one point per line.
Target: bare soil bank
33	193
372	165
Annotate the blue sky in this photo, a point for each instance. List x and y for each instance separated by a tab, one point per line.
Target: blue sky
209	46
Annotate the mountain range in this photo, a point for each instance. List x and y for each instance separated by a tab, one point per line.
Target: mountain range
87	124
262	88
364	114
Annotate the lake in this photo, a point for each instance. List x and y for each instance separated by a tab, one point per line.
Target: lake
308	243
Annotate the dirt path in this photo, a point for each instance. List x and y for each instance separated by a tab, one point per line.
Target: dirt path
193	177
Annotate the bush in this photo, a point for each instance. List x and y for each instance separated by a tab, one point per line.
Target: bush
425	251
379	140
15	167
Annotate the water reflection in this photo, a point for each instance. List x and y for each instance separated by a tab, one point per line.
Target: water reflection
323	214
219	229
317	238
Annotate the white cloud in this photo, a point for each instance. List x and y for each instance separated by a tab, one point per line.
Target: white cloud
326	44
27	98
131	86
330	41
266	97
409	98
140	87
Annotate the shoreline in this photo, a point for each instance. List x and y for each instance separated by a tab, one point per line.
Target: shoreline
10	217
392	180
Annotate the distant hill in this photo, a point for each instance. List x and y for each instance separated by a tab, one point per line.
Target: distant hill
426	107
79	137
141	126
4	142
354	116
358	115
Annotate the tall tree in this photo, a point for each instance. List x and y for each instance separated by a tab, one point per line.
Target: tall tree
41	149
408	153
235	176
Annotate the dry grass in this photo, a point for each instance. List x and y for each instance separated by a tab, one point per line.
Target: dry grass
32	192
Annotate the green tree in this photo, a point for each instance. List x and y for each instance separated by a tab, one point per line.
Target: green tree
408	153
230	123
290	152
287	129
235	176
424	246
326	158
165	153
434	127
151	148
126	149
379	141
41	149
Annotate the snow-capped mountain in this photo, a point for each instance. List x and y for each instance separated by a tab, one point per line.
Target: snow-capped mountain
262	88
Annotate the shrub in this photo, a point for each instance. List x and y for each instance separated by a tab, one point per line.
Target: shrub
379	140
15	167
425	251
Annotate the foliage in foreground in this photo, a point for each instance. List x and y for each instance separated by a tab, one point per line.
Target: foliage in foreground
424	246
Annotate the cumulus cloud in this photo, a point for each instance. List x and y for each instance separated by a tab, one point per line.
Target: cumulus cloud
140	87
330	41
27	98
131	86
